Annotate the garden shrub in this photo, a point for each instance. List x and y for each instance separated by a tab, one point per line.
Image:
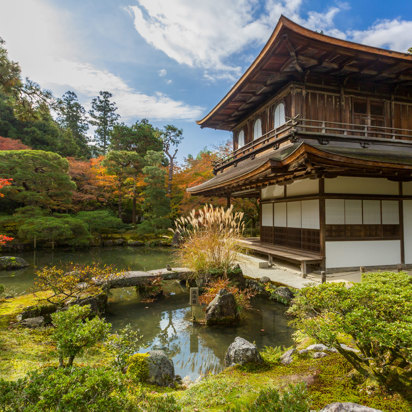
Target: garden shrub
375	313
209	239
271	354
242	296
162	403
74	332
66	389
123	344
137	367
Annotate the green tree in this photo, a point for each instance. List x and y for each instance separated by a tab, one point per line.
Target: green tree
64	230
375	313
39	178
100	221
139	138
104	117
171	138
125	166
72	116
156	203
74	332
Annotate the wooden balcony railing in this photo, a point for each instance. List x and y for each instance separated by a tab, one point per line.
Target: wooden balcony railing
315	128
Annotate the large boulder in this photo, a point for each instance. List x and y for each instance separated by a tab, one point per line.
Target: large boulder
347	407
222	310
161	369
98	303
240	352
12	263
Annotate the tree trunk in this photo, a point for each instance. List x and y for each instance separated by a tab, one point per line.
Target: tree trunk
70	362
61	362
134	206
170	179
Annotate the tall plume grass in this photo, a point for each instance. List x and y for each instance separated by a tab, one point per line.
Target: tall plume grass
209	239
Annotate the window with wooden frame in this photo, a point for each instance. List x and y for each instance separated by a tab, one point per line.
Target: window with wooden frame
279	115
257	128
240	139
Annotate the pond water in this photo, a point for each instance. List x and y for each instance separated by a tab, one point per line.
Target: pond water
132	258
165	324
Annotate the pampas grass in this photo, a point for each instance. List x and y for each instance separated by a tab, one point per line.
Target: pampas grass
209	238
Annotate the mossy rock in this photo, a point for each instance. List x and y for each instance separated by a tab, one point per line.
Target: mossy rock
12	263
10	309
138	367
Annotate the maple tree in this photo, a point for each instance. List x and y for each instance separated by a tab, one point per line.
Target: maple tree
3	238
7	143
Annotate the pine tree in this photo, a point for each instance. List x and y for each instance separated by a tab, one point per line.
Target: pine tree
104	117
72	116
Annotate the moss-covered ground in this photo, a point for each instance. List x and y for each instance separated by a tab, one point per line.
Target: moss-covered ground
328	379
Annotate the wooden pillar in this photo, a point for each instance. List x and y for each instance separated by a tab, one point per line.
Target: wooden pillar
402	236
228	201
322	221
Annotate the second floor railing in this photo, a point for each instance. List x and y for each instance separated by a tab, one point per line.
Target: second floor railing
317	128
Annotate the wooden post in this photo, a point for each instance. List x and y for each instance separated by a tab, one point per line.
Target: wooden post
228	201
323	276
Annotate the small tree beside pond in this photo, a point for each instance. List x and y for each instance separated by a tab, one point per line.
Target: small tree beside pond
375	313
75	283
210	239
74	332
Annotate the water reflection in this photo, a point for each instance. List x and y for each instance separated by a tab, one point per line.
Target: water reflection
196	350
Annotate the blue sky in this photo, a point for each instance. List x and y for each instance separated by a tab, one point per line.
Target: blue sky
171	61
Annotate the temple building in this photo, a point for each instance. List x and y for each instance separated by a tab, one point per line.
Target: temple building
322	136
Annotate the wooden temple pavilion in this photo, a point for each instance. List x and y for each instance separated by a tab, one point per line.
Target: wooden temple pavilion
322	136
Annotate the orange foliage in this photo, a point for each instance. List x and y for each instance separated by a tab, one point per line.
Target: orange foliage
3	238
7	143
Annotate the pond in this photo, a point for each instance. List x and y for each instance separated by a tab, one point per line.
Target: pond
165	324
132	258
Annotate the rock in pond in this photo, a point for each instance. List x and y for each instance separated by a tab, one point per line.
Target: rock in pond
284	294
240	352
347	407
161	369
264	279
222	310
12	263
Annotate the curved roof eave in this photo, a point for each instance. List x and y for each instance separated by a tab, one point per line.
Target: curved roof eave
284	22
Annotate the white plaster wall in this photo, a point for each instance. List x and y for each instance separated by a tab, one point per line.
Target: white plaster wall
335	211
407	229
294	213
407	188
267	214
361	185
303	187
353	211
363	253
390	212
280	214
371	212
272	192
310	214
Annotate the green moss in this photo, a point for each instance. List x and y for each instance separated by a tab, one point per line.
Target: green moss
137	367
10	308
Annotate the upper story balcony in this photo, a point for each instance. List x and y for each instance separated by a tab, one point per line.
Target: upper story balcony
322	130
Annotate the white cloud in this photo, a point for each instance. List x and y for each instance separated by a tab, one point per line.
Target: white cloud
205	34
41	39
393	34
208	34
162	72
